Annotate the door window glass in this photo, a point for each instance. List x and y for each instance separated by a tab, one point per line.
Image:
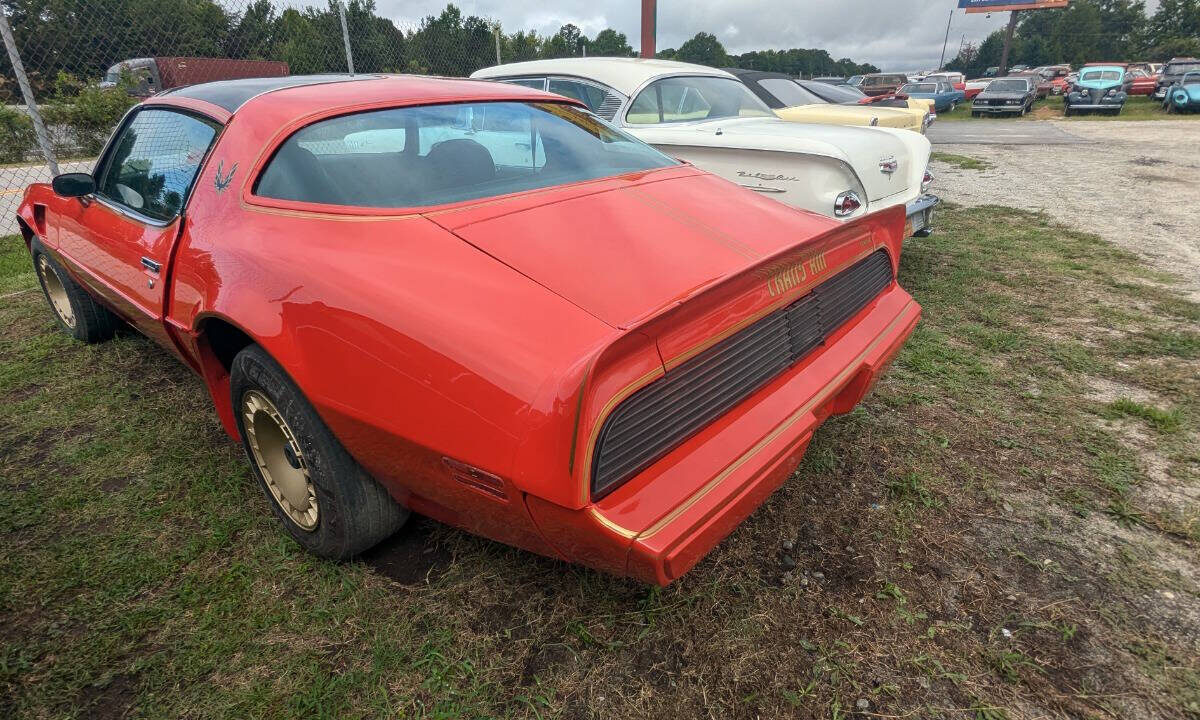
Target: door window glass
154	162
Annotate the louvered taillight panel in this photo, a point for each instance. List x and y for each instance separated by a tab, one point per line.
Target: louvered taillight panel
657	418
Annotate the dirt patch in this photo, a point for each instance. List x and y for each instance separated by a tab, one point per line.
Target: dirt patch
1100	187
412	556
116	484
110	701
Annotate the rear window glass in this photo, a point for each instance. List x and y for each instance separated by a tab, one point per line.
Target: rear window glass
789	92
684	99
436	154
920	88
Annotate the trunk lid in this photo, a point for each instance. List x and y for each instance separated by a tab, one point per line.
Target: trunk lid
863	148
631	251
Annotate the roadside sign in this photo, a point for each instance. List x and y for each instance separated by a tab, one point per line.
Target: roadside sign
987	6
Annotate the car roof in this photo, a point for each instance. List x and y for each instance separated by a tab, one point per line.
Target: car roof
315	94
625	75
232	94
758	74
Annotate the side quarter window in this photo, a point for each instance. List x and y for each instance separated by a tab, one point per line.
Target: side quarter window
154	162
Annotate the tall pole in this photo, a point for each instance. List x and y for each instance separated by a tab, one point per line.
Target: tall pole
346	36
649	29
945	40
496	31
1008	35
39	128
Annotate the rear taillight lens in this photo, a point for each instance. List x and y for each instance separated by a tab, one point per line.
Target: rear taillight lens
846	204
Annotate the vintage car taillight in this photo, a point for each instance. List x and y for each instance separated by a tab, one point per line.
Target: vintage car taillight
927	180
846	204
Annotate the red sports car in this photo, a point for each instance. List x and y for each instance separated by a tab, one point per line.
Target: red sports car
474	301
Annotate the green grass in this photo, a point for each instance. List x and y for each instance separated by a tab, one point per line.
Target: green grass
1162	420
975	490
961	162
1136	108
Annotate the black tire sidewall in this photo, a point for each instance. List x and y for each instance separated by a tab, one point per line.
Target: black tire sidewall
326	460
76	296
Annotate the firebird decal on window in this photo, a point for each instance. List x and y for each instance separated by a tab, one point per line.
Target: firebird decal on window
220	182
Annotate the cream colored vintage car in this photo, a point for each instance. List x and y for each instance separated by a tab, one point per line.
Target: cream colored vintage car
707	117
813	102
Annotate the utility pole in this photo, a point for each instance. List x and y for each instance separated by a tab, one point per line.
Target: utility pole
649	27
346	37
496	32
1008	36
946	40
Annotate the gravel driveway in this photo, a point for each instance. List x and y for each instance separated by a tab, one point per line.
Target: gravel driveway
1136	184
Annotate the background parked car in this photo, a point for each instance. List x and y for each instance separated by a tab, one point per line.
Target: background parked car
973	87
1007	95
882	83
707	117
792	100
945	98
956	79
151	75
1140	82
1184	95
1100	88
1173	72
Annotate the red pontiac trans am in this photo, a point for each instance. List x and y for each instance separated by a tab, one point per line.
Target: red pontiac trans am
474	301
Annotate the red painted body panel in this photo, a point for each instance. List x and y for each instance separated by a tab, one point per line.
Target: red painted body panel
498	334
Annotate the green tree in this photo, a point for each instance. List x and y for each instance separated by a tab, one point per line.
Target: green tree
1175	20
610	43
703	49
567	42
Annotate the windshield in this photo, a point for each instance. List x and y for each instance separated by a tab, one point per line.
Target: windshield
1094	75
1007	86
1180	68
789	92
919	88
854	80
833	93
1191	77
436	154
685	99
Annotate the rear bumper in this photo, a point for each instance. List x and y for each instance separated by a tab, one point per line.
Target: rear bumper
919	214
662	523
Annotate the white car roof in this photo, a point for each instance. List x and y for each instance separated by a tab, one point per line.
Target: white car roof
621	74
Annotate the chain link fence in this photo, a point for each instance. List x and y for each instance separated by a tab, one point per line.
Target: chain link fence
71	68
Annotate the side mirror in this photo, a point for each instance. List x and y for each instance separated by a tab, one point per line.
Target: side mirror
73	184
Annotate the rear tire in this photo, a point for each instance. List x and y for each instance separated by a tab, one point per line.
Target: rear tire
324	499
76	312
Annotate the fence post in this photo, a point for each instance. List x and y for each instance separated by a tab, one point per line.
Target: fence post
39	128
346	36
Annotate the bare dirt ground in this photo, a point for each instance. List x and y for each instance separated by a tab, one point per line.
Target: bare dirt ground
1136	184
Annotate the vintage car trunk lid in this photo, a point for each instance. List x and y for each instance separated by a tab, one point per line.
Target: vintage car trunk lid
864	148
853	115
628	253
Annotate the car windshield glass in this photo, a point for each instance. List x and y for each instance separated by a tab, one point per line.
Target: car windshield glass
789	93
834	93
919	88
436	154
1095	75
1007	86
684	99
1180	68
1191	78
854	80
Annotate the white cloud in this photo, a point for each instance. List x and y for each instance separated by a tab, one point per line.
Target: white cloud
893	34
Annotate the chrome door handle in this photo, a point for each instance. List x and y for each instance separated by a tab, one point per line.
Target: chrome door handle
151	265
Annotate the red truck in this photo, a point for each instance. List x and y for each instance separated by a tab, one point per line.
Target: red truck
155	74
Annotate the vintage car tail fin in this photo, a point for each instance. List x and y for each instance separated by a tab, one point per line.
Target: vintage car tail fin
680	369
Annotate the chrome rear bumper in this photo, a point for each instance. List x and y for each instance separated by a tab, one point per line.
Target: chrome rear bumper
920	216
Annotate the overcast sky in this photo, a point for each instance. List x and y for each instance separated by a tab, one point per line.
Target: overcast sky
893	34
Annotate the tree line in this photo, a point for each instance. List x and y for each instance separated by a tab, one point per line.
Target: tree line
82	38
1092	31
